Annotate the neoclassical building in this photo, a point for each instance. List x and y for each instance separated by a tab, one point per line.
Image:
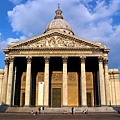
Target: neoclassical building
58	69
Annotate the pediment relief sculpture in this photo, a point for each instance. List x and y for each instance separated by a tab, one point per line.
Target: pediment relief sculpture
57	42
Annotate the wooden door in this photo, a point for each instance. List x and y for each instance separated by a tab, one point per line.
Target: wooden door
23	99
89	101
56	97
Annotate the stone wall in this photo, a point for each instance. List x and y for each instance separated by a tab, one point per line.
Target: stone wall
114	86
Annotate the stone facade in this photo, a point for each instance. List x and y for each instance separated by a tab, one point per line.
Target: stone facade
58	69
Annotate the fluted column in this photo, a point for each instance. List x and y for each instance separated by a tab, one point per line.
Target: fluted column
83	82
65	89
10	82
28	82
46	82
102	83
5	80
107	84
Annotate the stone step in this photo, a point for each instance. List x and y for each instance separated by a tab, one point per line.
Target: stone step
56	110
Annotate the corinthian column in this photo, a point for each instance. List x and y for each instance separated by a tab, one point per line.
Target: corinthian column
28	82
5	80
102	84
107	85
65	89
46	82
10	83
83	82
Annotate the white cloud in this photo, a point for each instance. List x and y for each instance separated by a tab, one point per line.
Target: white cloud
30	18
94	22
114	44
4	43
103	10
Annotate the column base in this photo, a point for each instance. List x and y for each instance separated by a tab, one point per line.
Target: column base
26	106
84	106
64	106
103	106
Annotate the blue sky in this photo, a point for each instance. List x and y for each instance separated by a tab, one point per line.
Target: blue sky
95	20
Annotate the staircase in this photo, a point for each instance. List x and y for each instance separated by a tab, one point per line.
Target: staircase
56	110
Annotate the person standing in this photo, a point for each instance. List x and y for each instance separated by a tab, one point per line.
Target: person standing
39	110
72	109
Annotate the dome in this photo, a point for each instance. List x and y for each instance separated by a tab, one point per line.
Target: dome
59	23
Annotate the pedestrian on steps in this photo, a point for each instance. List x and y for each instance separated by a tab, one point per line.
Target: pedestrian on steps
72	109
39	110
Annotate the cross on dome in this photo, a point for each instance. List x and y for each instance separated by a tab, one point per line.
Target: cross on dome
58	13
58	6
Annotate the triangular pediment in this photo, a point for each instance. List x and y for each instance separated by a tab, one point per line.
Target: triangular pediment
55	40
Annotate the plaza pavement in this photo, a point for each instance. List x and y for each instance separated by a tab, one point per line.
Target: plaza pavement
90	116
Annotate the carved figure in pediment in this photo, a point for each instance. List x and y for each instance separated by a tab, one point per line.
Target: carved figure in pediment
60	42
56	41
51	42
65	43
41	43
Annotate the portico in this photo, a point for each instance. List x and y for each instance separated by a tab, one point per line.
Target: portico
57	69
73	77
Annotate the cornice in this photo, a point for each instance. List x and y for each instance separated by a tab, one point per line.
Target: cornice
6	51
54	49
106	51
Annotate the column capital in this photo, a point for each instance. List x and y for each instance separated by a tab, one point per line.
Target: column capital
105	60
6	60
29	59
64	58
100	59
82	58
46	58
11	59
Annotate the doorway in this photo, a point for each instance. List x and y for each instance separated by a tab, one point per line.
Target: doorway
23	99
56	97
89	101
